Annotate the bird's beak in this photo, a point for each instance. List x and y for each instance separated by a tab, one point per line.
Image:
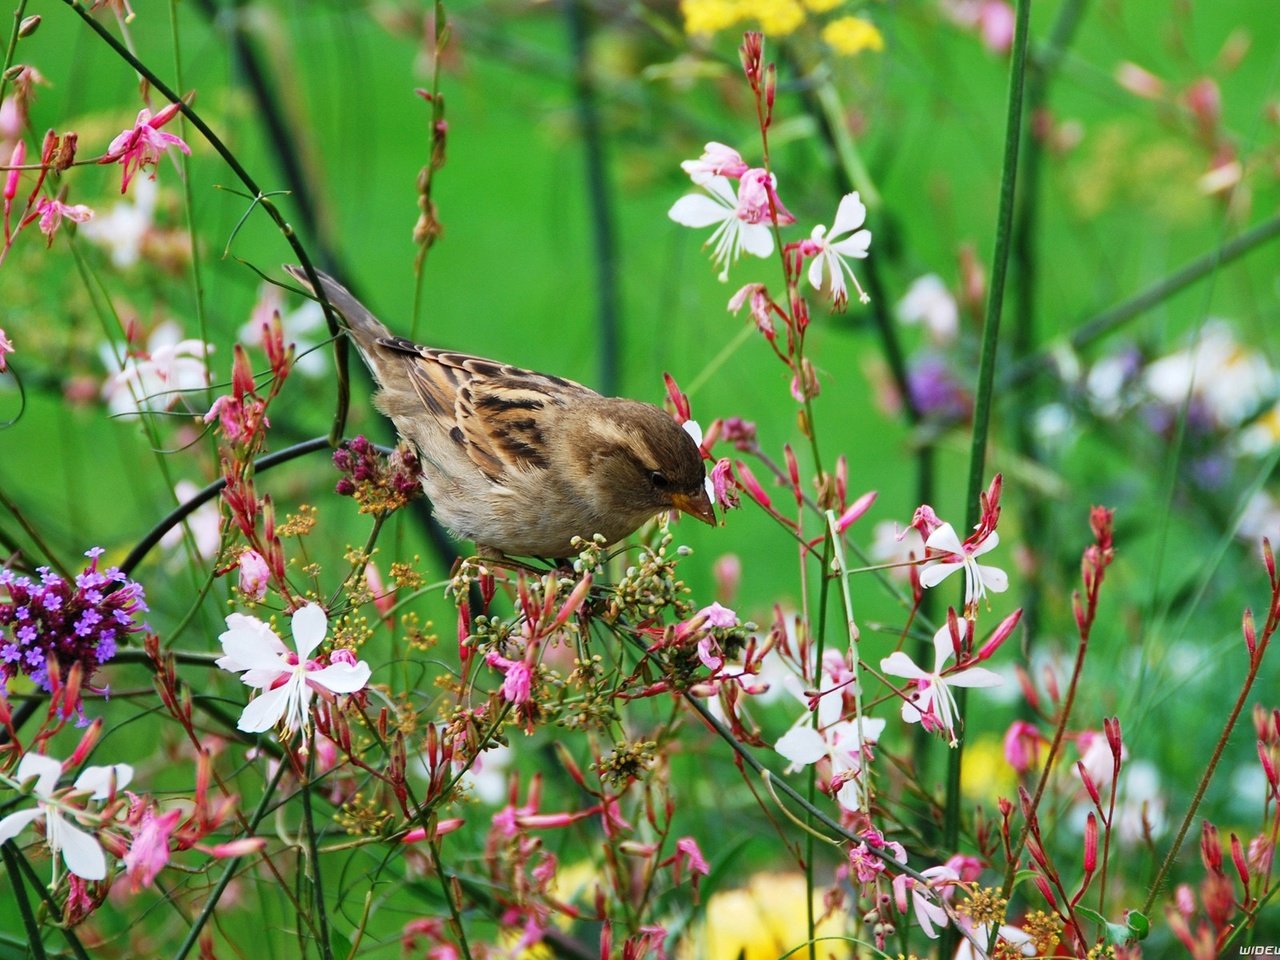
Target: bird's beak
696	505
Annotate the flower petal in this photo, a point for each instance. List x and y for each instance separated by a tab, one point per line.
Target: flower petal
849	215
341	677
934	573
898	664
993	578
757	239
974	677
855	246
46	770
15	823
697	210
265	711
80	851
310	625
802	746
98	780
944	538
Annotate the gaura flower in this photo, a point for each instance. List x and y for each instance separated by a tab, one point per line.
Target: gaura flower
738	228
830	253
80	851
52	213
932	702
924	899
717	160
142	144
287	679
978	579
157	377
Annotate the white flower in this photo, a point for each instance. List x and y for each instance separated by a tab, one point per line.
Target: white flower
823	735
1232	380
928	302
156	381
978	579
122	229
829	253
933	703
924	899
719	207
1016	937
287	679
204	522
80	850
304	328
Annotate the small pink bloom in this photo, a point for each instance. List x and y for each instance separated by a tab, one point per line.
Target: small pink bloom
1022	746
142	144
996	23
254	575
757	189
519	679
718	616
6	348
723	488
238	848
717	160
149	852
52	213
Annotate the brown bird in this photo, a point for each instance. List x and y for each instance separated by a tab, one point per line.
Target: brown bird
522	462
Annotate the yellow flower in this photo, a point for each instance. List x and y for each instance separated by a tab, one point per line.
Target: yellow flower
762	922
704	17
778	17
822	6
851	35
986	774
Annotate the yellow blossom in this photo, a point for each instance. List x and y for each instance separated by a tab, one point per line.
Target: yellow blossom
822	6
778	17
986	775
702	17
849	36
762	922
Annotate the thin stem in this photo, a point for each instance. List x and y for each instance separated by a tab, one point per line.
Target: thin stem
340	344
34	942
264	805
608	309
313	860
987	362
179	514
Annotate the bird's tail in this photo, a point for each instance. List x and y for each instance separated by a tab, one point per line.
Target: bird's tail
365	328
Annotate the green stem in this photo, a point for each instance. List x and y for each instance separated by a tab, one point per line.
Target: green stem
34	942
987	362
313	860
259	197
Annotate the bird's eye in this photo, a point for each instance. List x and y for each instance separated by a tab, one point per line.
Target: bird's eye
658	479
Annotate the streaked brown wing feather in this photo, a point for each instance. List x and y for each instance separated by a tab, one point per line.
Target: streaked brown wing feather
490	408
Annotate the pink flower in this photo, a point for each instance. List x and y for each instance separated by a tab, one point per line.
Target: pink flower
755	193
761	307
924	901
149	852
995	24
52	213
723	489
717	160
519	679
830	250
6	347
142	144
254	575
718	616
1022	746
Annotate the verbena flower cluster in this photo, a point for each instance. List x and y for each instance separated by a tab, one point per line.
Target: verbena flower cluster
64	621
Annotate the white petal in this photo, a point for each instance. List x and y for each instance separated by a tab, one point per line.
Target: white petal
934	573
988	543
850	215
46	770
694	430
943	650
993	578
802	746
242	623
80	851
310	624
868	730
341	677
265	711
697	210
945	539
974	677
15	823
815	271
757	239
98	780
245	651
898	664
855	246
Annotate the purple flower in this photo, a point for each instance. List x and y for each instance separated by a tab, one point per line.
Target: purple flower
936	392
66	622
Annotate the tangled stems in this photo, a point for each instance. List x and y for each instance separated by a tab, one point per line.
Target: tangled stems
1257	648
257	196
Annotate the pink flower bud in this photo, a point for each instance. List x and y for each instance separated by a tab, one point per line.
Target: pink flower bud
1140	82
1210	848
1090	843
238	848
254	575
1087	780
1250	634
1237	858
856	511
11	180
678	400
749	483
1022	746
1001	634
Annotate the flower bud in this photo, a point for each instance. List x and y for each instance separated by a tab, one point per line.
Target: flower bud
28	26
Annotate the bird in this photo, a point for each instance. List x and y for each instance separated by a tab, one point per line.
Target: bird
521	462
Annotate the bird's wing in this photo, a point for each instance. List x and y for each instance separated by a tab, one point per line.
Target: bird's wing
494	411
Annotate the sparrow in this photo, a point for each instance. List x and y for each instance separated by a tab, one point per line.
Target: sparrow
522	462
